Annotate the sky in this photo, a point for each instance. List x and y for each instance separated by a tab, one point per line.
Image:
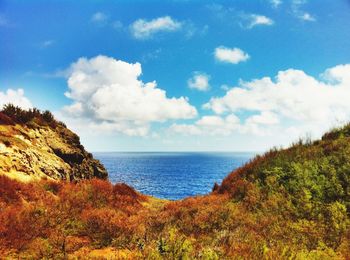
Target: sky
180	75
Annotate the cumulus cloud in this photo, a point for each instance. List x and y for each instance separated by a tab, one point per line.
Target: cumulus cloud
185	129
292	96
264	118
143	29
199	81
226	125
255	20
282	109
338	74
88	126
15	97
109	93
227	55
209	125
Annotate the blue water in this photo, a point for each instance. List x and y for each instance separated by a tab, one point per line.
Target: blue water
171	175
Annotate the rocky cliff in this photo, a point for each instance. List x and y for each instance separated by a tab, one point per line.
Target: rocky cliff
38	147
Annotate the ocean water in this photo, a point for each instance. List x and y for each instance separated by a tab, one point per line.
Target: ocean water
171	175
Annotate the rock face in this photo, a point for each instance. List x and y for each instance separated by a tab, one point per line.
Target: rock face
30	151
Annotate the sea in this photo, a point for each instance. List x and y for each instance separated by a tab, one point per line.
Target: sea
171	175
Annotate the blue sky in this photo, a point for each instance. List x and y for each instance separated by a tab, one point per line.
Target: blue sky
229	75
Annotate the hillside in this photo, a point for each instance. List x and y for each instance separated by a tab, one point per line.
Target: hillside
285	204
33	145
309	174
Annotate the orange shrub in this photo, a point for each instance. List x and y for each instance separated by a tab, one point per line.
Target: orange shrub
103	225
20	224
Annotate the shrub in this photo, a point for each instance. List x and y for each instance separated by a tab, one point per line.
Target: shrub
103	225
9	110
47	116
8	190
20	225
11	113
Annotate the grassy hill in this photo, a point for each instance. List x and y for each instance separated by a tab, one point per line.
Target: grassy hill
310	175
285	204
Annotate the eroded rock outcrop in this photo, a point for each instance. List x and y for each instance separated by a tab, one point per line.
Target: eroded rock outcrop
32	151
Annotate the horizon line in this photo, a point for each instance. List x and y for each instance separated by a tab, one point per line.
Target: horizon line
209	151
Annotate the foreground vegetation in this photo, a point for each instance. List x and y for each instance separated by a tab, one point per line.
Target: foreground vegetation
285	204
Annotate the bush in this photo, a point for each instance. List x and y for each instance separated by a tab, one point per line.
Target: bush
48	116
9	110
13	114
104	225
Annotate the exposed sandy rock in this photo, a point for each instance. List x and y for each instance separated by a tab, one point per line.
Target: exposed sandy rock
31	152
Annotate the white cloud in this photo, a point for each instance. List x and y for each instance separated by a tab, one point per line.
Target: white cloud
99	17
199	81
143	29
307	17
209	126
15	97
338	74
264	118
109	93
234	55
255	20
89	126
209	121
293	97
216	125
185	129
277	111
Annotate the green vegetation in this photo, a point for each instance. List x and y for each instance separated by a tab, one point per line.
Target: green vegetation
11	114
285	204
